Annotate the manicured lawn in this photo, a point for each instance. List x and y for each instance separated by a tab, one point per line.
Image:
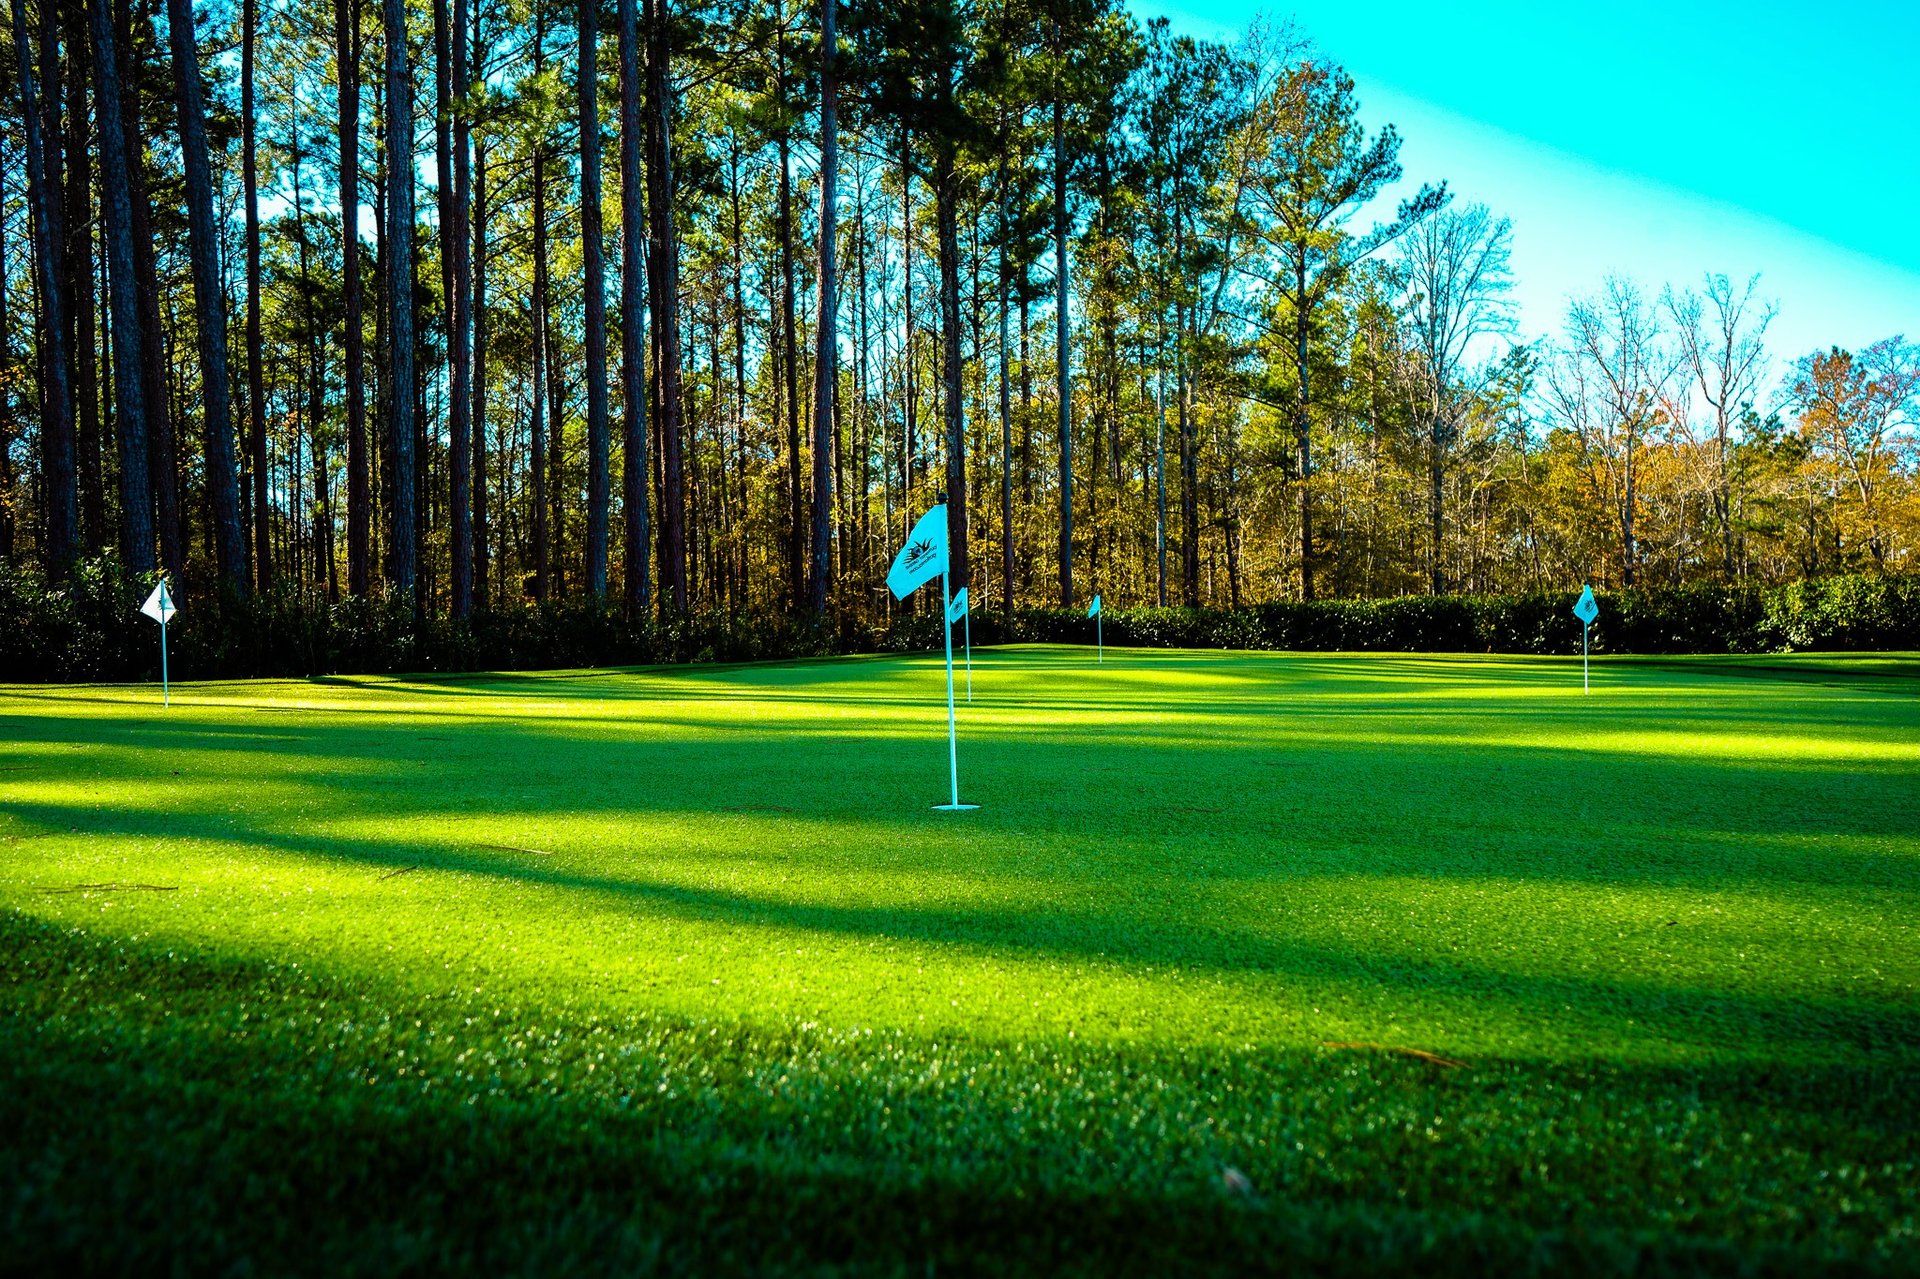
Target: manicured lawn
1375	963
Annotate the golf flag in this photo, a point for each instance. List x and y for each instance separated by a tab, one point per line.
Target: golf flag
1099	640
922	559
1586	608
957	612
160	608
1093	609
159	605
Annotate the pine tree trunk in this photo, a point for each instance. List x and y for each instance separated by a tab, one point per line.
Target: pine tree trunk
594	289
946	216
482	559
459	318
162	457
906	345
77	280
56	426
322	531
9	419
359	492
1302	429
223	482
1006	418
1189	468
633	337
665	296
402	563
790	349
826	336
542	545
256	396
1062	355
129	387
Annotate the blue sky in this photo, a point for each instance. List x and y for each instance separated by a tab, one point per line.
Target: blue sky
1654	140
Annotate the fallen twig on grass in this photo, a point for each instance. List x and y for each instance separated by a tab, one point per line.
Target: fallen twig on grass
114	888
515	848
403	870
1419	1053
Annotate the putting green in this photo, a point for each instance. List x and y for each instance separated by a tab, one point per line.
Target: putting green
1243	956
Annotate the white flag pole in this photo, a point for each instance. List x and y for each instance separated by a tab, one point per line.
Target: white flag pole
953	749
160	608
1585	687
967	619
1099	638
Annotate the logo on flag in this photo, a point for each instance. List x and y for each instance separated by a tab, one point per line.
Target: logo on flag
957	609
923	558
1587	608
159	605
1093	609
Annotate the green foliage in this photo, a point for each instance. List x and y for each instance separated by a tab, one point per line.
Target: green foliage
89	630
1843	613
1833	614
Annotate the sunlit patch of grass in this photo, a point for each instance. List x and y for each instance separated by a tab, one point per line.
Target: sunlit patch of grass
676	968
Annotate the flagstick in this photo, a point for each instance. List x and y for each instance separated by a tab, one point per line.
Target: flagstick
1585	687
166	698
967	620
1099	637
953	750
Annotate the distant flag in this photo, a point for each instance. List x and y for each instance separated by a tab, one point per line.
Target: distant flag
958	612
160	608
1586	608
1099	641
922	559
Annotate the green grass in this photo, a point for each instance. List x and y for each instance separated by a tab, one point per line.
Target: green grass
675	970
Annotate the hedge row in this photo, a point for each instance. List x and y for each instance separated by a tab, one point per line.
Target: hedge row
88	629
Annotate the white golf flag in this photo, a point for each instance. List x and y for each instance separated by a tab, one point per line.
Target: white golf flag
957	609
923	558
159	605
1093	609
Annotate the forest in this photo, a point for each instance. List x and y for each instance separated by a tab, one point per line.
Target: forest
695	307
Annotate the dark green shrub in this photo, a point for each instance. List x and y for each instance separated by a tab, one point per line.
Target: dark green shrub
89	629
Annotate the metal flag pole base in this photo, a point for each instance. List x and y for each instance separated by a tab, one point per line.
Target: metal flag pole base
954	808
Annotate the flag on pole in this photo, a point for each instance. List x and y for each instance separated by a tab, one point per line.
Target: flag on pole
922	559
159	605
1093	609
160	608
1099	640
958	612
1586	608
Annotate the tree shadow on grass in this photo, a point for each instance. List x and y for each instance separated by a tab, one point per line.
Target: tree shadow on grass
174	1110
1094	915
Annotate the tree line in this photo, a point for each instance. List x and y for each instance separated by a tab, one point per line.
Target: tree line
697	305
